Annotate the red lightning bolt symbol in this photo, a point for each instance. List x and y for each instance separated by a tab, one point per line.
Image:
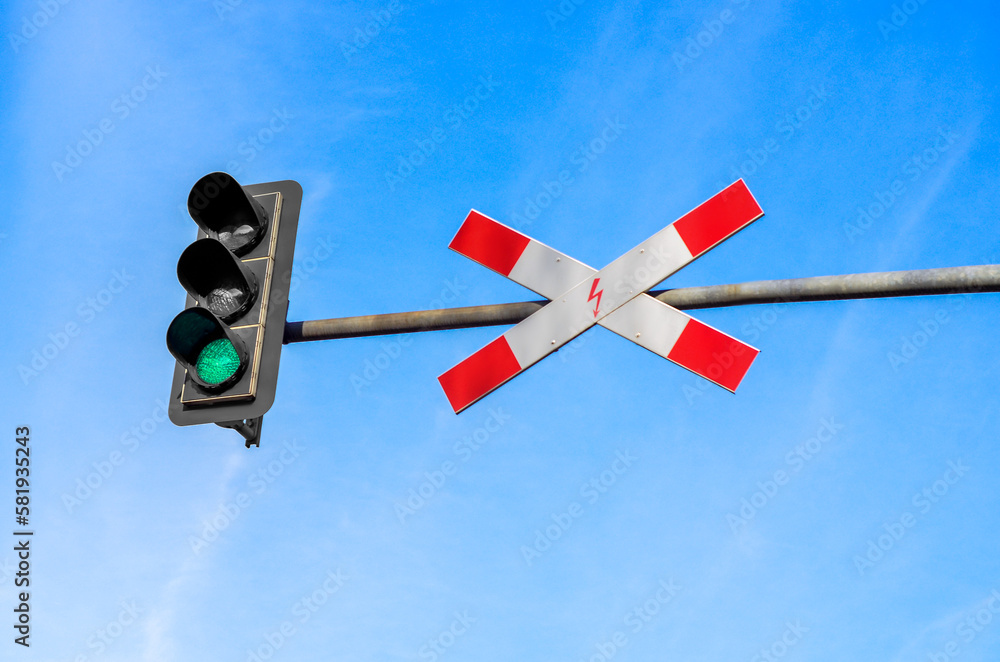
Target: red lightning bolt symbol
597	295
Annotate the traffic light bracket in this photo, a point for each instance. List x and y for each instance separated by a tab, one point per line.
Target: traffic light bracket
250	429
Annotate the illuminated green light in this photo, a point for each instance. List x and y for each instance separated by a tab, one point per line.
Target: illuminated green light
218	361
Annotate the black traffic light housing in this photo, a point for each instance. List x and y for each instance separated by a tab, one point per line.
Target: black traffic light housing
227	341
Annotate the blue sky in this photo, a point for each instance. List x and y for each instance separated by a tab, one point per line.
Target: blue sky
604	505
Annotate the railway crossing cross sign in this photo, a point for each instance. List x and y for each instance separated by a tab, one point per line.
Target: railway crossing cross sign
614	297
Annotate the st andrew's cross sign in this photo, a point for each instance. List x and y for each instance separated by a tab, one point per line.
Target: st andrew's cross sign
614	297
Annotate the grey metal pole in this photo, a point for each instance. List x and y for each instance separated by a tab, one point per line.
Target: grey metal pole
949	280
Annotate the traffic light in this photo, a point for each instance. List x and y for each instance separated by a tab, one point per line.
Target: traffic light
227	341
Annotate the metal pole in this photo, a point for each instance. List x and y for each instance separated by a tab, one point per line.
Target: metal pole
949	280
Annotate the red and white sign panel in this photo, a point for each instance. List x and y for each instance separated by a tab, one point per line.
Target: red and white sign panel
614	297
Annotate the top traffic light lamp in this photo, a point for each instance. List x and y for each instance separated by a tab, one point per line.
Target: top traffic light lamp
227	341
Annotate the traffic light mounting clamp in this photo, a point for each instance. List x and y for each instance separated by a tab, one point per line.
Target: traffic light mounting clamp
250	429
